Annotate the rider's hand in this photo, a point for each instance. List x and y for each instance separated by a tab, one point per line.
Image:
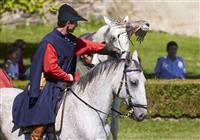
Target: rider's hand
71	78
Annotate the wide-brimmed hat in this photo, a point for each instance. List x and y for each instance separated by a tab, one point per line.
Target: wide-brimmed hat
67	13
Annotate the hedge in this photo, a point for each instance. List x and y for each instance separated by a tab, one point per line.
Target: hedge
168	98
173	98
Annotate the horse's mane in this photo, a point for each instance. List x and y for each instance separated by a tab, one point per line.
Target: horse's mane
104	67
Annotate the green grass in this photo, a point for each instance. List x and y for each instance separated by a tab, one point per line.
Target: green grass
153	46
184	129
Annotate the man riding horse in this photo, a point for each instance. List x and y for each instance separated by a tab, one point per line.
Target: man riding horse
55	60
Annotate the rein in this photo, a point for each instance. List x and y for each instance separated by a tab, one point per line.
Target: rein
97	110
124	78
129	104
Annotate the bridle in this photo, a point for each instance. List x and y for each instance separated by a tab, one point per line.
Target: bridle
120	46
129	104
124	82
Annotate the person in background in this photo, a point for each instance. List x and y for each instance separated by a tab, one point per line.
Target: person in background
11	65
170	66
20	44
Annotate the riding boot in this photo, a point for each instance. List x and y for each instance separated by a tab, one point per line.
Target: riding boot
37	132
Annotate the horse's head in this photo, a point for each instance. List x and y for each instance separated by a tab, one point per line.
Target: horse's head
116	35
132	87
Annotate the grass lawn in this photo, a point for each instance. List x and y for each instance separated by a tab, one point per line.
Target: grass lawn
184	129
153	46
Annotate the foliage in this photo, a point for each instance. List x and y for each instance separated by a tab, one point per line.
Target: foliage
174	98
28	6
20	84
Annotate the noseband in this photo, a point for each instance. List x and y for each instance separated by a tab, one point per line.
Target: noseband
124	82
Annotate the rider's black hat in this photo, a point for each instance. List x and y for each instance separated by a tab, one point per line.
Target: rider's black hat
67	13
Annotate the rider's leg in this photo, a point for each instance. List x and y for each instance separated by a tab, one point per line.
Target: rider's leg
114	123
37	132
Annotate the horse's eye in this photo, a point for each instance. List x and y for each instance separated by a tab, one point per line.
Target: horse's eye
113	39
118	35
134	83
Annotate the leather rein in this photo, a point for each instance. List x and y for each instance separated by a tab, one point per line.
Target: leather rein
123	82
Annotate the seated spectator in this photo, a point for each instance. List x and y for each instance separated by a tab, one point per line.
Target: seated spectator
170	66
20	44
11	65
5	81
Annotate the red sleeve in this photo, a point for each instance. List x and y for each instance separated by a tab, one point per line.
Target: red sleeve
50	64
87	46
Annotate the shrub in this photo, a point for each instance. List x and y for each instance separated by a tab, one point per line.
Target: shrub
173	98
28	6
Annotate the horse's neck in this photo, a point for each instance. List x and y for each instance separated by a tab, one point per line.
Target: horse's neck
99	93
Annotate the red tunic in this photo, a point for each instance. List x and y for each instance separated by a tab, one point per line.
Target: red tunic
50	61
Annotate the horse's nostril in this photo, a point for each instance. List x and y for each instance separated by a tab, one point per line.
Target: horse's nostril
148	24
141	116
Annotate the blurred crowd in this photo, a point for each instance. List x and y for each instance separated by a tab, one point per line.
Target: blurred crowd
170	66
13	66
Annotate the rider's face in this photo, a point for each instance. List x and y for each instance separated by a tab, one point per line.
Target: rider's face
71	25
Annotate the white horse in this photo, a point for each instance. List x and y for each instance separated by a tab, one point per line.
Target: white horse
7	96
122	78
118	34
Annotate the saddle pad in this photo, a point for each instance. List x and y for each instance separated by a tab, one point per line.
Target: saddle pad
59	116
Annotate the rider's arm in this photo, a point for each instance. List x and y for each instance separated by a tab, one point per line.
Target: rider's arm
51	67
87	46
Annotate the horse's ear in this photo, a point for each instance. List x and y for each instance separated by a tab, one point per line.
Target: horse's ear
135	56
107	20
126	19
